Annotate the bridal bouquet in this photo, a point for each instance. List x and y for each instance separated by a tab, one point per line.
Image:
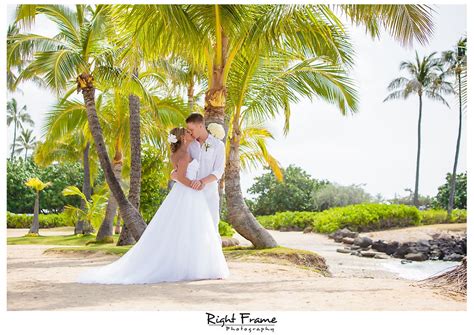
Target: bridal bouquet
216	130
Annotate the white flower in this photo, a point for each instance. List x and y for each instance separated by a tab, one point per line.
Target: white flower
216	130
172	138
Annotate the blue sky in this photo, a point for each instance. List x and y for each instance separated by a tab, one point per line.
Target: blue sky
377	146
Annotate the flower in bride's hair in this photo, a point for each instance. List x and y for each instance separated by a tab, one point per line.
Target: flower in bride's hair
216	130
172	138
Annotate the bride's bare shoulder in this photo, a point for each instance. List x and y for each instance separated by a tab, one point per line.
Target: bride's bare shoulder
180	157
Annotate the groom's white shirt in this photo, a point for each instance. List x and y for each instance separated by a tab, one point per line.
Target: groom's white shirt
211	156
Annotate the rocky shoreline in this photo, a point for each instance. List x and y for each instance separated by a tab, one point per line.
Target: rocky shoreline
442	246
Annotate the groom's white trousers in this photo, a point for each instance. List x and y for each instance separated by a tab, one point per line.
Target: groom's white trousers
211	191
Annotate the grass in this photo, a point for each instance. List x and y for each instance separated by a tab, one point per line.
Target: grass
72	240
85	244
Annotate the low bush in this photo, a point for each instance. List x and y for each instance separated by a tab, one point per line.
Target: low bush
45	220
436	216
225	229
360	217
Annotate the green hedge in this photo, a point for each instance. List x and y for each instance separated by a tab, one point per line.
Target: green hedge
226	229
360	217
45	220
434	216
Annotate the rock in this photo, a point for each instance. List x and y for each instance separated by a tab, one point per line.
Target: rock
405	261
307	230
367	254
418	257
229	242
355	247
363	242
347	240
402	250
338	238
391	247
347	233
343	251
356	253
332	235
381	256
379	245
454	257
423	243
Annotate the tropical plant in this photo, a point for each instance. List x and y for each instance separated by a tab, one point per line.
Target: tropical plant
217	35
292	194
37	185
335	195
425	79
93	212
78	57
456	65
18	117
444	192
26	142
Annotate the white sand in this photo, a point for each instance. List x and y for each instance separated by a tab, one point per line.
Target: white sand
37	281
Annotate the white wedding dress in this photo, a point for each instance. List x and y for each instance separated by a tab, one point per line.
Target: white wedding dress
179	244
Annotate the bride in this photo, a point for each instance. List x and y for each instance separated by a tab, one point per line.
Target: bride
180	242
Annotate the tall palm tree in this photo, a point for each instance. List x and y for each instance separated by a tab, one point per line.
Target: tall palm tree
425	78
79	54
37	185
217	33
18	117
456	65
26	142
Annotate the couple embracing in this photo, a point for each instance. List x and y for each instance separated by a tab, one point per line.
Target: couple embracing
182	241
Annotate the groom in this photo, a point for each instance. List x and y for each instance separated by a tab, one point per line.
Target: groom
210	152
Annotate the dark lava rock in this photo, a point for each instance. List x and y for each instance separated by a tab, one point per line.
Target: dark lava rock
347	233
347	240
343	251
367	254
454	257
338	238
363	242
381	256
418	257
355	247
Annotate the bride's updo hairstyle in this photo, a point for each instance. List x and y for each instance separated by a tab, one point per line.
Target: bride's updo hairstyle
179	132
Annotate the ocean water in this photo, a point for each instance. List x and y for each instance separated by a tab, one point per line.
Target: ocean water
419	270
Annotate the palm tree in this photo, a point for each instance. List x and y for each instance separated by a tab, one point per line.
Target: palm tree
456	63
217	33
37	185
425	79
93	211
19	117
26	142
80	54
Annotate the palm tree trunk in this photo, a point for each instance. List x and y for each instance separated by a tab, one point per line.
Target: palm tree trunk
83	227
117	225
106	230
215	99
135	150
191	96
415	197
26	152
239	215
452	190
35	225
14	140
129	213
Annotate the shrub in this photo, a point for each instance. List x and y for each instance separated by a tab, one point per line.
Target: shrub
45	220
436	216
225	229
361	217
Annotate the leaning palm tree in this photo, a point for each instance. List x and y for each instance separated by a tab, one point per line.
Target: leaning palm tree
78	57
37	185
456	65
18	117
262	85
215	34
425	78
26	142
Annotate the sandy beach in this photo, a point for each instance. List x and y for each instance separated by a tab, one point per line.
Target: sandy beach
37	281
